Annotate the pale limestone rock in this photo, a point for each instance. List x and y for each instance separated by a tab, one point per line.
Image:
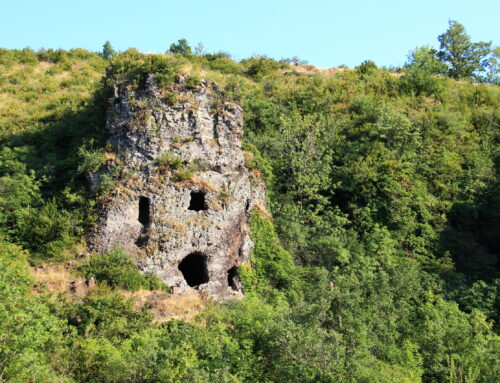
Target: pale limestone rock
200	129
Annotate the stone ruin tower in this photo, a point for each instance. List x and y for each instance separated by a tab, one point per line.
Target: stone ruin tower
182	204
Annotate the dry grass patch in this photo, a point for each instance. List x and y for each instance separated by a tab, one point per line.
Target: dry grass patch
53	278
206	185
165	306
263	210
310	69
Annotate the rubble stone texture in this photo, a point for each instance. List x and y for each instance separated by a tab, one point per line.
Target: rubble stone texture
186	222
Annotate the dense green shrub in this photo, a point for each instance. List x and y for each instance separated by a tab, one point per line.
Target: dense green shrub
255	161
224	65
193	82
132	65
271	264
9	57
182	175
258	67
48	231
30	334
105	313
421	73
118	269
162	67
366	67
92	159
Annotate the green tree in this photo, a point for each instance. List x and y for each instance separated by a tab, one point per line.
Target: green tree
421	70
493	75
30	335
366	67
464	58
107	51
182	48
199	49
425	59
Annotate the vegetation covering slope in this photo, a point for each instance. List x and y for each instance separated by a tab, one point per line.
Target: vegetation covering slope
380	263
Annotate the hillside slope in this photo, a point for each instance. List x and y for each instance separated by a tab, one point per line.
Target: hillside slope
379	263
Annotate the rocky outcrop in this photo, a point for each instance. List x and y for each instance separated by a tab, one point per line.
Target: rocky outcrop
183	201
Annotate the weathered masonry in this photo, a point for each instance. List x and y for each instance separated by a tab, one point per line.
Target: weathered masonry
182	206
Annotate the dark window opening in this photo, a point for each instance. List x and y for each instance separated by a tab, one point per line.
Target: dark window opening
144	211
232	278
197	202
194	269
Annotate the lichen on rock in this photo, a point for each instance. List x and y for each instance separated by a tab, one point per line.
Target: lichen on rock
183	211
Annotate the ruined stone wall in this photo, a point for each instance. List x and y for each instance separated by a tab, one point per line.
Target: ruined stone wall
186	222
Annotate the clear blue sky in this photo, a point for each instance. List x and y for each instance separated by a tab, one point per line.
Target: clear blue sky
325	33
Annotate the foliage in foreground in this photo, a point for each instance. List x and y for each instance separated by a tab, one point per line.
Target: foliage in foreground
118	269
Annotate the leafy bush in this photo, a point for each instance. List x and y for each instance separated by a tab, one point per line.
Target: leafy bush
48	232
193	82
182	175
132	65
169	161
31	335
92	159
171	98
271	264
421	73
258	67
105	313
224	65
181	171
162	67
118	269
255	161
9	57
366	67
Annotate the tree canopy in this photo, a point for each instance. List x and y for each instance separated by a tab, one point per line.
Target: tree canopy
465	59
182	47
107	51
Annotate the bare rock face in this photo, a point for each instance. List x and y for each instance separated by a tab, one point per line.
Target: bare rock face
183	202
